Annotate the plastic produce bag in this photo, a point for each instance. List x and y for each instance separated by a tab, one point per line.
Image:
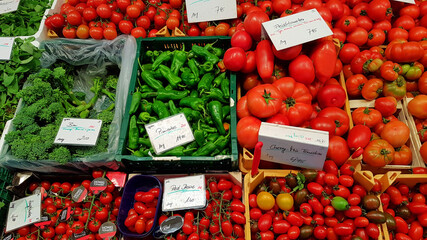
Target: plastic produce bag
95	57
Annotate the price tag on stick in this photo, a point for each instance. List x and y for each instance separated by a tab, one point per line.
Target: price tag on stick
169	133
296	29
210	10
98	185
107	230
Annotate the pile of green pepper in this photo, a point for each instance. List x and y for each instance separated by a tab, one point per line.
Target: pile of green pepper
179	81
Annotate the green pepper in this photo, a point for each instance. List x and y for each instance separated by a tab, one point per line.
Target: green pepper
208	128
221	143
145	117
192	64
205	54
188	78
192	145
212	137
207	149
177	151
172	78
199	135
160	109
145	88
225	87
194	103
205	83
136	100
216	94
149	79
178	60
146	106
161	59
206	67
215	110
147	67
217	81
172	107
144	141
340	204
225	111
165	95
219	52
194	93
187	113
137	153
133	133
397	88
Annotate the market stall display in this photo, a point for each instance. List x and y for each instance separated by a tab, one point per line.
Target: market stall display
335	86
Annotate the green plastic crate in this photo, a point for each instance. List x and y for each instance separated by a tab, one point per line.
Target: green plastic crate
183	163
5	195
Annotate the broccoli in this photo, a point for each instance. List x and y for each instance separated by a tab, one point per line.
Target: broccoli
46	101
61	155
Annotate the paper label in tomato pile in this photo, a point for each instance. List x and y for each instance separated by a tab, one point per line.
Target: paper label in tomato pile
78	131
8	6
406	1
98	185
8	237
79	194
184	193
44	222
107	230
6	45
295	29
117	178
23	212
300	147
169	133
210	10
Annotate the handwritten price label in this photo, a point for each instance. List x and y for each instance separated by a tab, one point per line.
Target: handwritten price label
293	146
296	29
169	133
7	6
6	45
24	211
79	132
184	193
210	10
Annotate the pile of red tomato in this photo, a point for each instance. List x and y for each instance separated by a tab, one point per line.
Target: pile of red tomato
223	218
140	218
86	216
315	204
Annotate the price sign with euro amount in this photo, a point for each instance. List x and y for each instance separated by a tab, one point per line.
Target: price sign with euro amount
296	29
210	10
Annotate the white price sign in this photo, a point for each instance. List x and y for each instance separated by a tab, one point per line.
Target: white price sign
23	212
296	29
78	131
406	1
169	133
300	147
6	45
8	6
184	193
210	10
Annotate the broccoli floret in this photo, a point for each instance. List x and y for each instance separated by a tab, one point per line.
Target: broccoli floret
22	120
111	82
38	90
61	155
52	112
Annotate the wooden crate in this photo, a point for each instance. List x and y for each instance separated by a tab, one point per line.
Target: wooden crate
411	124
364	178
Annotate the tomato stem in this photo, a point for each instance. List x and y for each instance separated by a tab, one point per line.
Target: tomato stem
267	96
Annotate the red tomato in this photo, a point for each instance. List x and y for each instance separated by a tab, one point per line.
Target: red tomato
247	131
241	39
253	23
302	69
264	100
331	96
234	59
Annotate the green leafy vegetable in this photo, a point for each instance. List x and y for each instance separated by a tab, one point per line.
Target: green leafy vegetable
24	60
26	20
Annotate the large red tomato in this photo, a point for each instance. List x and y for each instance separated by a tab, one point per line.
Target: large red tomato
331	95
264	100
338	150
288	53
235	59
302	69
253	23
247	131
378	153
296	100
241	39
340	118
